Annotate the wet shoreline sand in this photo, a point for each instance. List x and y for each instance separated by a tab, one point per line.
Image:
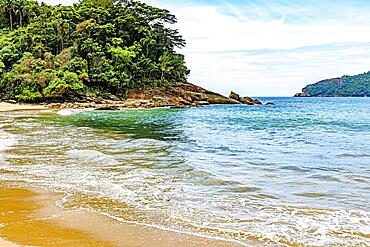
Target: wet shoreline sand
7	107
29	216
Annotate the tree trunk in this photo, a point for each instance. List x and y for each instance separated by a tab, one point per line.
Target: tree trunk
21	19
11	20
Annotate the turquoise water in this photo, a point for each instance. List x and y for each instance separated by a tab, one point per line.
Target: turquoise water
296	173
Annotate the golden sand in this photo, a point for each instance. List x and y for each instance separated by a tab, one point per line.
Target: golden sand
30	217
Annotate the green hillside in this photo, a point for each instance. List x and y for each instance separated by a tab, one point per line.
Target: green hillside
346	86
60	53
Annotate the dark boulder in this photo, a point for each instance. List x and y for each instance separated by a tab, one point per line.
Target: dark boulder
234	96
247	101
257	102
107	108
223	101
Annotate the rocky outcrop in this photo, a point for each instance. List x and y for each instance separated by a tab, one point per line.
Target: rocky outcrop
180	95
303	94
244	100
234	96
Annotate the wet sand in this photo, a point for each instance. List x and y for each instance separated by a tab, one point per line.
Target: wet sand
4	243
4	107
29	216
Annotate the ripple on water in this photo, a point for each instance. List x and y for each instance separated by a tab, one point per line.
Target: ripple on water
94	156
217	182
313	195
326	178
244	189
295	168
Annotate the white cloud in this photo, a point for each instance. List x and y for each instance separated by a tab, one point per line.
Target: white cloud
280	69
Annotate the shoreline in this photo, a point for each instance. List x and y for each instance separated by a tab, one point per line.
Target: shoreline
5	243
9	107
180	95
30	216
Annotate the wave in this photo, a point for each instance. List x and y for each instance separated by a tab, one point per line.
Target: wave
92	155
68	112
6	140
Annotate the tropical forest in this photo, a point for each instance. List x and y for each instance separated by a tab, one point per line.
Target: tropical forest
61	53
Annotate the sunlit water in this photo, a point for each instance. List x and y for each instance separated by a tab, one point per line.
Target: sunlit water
296	173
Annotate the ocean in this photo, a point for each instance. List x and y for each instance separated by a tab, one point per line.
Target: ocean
296	173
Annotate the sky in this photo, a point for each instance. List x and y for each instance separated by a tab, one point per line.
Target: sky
270	47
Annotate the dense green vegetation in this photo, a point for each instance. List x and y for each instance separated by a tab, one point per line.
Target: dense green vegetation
346	86
54	53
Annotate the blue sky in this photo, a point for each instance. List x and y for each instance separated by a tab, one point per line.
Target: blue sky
270	48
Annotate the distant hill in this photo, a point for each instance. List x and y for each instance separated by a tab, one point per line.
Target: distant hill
346	86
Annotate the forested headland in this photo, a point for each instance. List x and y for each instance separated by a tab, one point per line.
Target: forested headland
95	47
345	86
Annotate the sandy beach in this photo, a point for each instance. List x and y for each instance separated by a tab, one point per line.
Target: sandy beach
29	217
5	107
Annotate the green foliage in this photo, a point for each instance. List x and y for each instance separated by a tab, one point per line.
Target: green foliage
67	87
346	86
62	52
29	95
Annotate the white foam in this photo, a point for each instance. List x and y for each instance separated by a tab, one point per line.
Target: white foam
6	140
92	155
67	112
163	228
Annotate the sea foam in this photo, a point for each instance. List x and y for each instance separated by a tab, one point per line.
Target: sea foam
67	112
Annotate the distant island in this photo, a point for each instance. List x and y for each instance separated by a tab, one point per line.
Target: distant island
108	53
346	86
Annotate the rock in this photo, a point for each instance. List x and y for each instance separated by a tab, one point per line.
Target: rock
223	101
247	101
188	98
234	96
107	108
113	97
197	97
257	102
162	101
10	101
303	94
269	103
183	101
250	101
55	105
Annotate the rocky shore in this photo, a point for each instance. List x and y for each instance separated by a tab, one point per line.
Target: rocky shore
302	94
181	95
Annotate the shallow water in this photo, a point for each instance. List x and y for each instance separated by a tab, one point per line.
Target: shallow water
296	173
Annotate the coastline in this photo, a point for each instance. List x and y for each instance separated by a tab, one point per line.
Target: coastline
8	107
180	95
30	216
